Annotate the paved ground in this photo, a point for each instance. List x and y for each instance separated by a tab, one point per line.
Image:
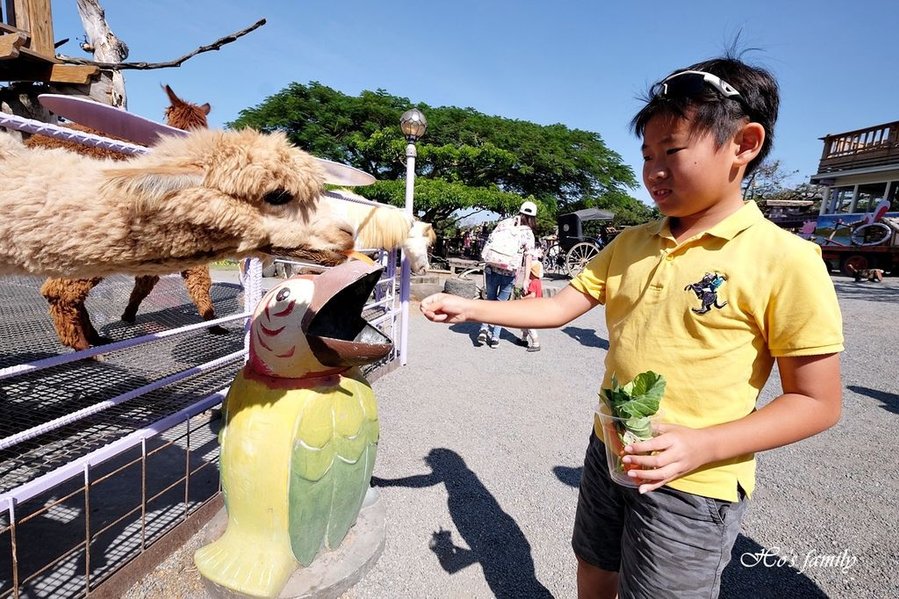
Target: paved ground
481	452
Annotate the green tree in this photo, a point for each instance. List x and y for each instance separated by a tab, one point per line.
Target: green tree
766	180
466	161
628	211
770	182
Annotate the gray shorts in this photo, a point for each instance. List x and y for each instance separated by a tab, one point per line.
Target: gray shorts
665	543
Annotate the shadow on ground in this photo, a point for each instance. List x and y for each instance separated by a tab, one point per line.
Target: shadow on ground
471	329
757	572
890	400
586	337
866	290
568	475
50	552
496	541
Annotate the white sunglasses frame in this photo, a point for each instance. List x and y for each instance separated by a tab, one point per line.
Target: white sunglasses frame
725	88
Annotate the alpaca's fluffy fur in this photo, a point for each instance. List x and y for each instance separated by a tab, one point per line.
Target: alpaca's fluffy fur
44	141
421	237
66	297
191	200
385	227
185	115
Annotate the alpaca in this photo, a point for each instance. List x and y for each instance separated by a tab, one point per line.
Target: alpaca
421	237
66	297
385	227
187	116
191	200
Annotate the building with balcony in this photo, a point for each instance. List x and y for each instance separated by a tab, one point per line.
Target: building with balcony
859	169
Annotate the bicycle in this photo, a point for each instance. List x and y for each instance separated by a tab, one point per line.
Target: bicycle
860	234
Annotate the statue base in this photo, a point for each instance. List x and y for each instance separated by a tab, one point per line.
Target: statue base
333	572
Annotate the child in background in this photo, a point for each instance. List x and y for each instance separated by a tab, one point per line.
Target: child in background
535	289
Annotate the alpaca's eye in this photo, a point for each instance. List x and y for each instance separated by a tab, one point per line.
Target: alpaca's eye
283	294
277	197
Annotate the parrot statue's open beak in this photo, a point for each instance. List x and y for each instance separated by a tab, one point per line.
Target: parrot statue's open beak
335	330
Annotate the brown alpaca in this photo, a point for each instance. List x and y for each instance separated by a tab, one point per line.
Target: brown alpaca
191	200
198	281
66	297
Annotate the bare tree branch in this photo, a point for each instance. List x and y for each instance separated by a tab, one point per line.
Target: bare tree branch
119	66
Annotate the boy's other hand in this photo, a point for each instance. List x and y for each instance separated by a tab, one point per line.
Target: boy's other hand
675	451
443	307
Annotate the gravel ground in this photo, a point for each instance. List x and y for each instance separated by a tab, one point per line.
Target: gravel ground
481	452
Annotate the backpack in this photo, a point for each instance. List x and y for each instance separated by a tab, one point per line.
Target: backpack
503	247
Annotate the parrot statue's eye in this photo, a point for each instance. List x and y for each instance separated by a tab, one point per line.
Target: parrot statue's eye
283	294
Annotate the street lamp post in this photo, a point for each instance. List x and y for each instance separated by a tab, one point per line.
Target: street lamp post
413	125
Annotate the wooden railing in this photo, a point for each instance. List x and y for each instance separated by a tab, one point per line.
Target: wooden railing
27	46
873	146
35	18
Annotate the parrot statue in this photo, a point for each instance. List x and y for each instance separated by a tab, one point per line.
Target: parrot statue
300	431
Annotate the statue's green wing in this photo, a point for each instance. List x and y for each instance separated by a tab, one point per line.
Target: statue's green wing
335	442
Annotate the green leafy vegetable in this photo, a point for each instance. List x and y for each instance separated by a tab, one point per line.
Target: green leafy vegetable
635	403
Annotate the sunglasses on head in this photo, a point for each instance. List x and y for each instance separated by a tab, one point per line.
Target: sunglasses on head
690	84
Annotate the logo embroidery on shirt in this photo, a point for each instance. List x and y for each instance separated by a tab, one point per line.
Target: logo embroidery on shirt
706	291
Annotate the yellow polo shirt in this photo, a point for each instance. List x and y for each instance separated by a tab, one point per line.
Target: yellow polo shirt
711	314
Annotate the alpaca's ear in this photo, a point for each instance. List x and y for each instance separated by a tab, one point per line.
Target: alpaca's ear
146	188
171	94
206	108
341	174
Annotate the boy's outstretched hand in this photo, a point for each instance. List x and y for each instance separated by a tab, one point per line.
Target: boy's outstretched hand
443	307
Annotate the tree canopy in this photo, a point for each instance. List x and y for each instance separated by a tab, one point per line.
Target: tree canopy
770	181
466	160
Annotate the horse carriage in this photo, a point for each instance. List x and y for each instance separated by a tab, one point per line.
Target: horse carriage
577	244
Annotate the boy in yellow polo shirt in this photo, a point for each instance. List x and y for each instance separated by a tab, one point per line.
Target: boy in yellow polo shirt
710	297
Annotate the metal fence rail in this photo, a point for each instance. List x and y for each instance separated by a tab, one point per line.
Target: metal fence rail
101	458
104	451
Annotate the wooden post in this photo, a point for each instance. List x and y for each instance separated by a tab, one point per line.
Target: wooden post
35	17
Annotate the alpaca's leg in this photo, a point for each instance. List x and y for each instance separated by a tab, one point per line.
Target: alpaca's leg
66	298
93	337
143	285
198	282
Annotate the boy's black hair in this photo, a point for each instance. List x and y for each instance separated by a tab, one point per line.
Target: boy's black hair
714	113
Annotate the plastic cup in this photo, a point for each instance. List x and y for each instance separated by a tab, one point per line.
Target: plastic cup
612	429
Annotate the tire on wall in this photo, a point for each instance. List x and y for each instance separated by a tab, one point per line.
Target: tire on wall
461	287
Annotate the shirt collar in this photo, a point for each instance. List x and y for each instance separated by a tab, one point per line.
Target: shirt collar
739	221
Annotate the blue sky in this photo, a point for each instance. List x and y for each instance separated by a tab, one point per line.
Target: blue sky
579	63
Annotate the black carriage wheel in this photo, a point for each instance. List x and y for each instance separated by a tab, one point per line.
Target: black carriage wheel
579	255
853	264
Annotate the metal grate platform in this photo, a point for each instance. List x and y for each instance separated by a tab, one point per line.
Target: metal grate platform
34	398
119	506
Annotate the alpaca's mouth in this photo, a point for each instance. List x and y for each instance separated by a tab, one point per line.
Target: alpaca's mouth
333	323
